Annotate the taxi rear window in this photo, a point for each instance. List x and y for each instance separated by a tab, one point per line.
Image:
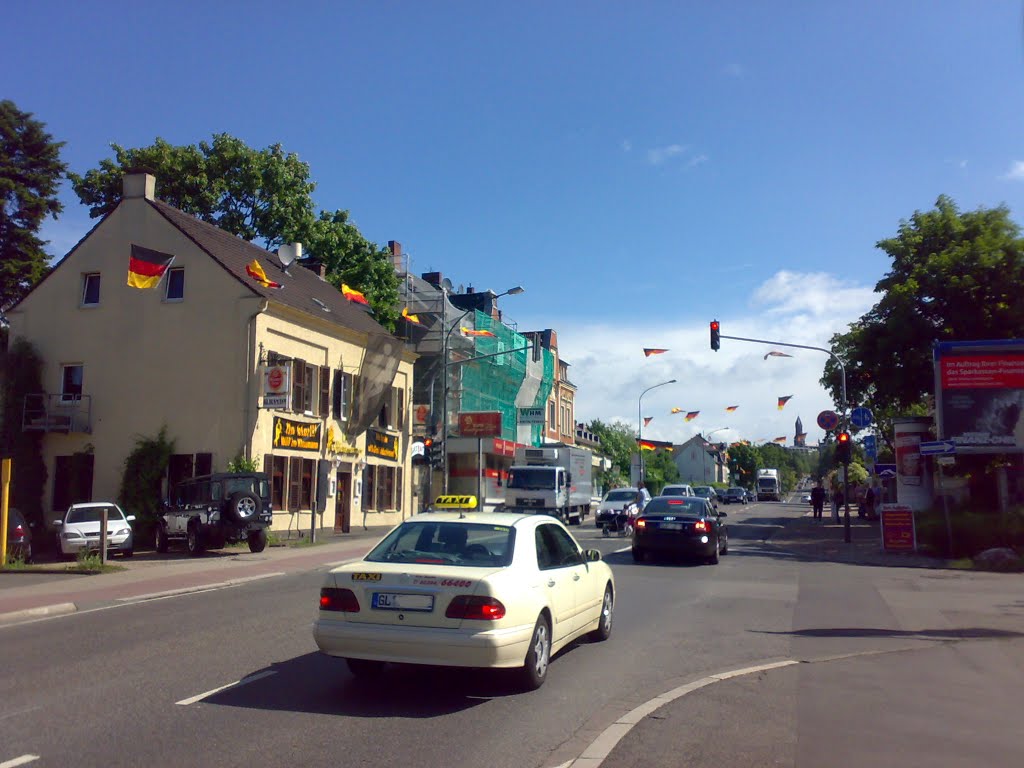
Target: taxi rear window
447	543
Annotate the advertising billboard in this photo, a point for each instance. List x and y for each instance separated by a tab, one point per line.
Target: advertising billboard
979	395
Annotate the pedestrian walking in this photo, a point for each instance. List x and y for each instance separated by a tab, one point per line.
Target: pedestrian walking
818	500
837	503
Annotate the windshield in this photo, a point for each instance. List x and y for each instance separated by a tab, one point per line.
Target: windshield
447	543
680	507
621	496
675	490
255	485
766	482
702	490
93	514
532	478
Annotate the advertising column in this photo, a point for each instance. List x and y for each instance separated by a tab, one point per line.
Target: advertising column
913	475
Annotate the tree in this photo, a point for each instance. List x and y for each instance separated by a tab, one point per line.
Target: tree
22	375
743	464
618	442
30	173
260	195
660	470
954	276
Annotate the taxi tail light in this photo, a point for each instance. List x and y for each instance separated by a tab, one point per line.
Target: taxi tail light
641	523
479	607
338	599
702	525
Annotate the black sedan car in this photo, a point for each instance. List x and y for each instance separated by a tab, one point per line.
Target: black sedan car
680	525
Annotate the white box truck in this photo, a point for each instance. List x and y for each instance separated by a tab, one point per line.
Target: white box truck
768	487
553	479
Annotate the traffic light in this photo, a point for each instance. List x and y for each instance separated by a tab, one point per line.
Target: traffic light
844	447
435	453
715	343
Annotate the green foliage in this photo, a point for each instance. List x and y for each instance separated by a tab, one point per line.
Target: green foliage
89	561
22	375
660	470
144	470
255	194
30	174
618	442
954	276
744	461
241	464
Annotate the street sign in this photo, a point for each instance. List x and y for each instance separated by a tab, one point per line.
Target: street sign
885	470
938	448
861	417
828	420
946	461
898	533
531	415
480	423
870	446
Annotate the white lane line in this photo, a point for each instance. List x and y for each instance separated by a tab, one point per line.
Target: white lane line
602	746
19	761
236	684
199	588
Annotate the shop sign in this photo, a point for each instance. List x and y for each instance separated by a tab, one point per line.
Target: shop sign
898	528
480	423
381	444
296	435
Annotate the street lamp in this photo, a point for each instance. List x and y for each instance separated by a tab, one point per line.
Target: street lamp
444	372
640	422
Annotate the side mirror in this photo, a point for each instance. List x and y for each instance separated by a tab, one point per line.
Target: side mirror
130	518
58	522
592	555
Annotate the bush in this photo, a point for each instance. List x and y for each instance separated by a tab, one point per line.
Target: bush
974	530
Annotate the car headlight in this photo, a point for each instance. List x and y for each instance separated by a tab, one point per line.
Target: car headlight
122	532
72	535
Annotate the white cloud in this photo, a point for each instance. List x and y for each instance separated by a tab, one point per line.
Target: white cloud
696	160
659	155
1016	171
610	370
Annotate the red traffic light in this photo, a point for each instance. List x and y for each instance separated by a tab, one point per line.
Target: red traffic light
715	342
843	437
714	325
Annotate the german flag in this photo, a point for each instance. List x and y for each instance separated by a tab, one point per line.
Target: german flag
731	408
648	351
691	415
255	270
470	332
646	445
654	445
410	317
783	401
779	439
353	295
146	267
648	420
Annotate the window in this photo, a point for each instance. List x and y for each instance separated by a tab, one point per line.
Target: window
175	290
370	479
277	466
303	383
71	383
398	489
91	289
342	402
325	392
306	500
555	549
399	408
294	483
552	423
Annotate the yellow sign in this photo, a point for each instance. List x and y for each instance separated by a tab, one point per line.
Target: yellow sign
365	577
455	502
296	435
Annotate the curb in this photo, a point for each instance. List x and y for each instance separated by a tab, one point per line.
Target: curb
56	609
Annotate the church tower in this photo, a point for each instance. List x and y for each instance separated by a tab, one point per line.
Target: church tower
800	438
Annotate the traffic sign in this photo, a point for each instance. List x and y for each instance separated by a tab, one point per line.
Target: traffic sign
861	417
938	448
870	446
885	470
828	420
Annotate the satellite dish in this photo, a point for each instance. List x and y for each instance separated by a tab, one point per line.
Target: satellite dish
286	254
446	284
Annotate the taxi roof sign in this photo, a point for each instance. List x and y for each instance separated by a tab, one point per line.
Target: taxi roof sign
454	502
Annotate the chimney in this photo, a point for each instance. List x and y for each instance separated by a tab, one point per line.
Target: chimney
138	184
397	261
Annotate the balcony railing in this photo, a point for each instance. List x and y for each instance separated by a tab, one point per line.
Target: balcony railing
57	413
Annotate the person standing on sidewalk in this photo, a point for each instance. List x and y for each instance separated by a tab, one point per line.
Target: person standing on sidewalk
818	500
837	504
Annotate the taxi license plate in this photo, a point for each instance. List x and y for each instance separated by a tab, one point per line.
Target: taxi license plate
397	601
672	526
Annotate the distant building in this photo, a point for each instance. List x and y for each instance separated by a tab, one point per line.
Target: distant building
700	462
800	437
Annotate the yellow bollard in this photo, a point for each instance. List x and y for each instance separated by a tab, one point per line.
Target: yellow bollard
5	483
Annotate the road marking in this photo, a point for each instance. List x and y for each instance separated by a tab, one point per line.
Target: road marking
607	740
19	761
200	588
19	712
236	684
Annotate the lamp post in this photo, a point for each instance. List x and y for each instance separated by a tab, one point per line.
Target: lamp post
640	421
444	372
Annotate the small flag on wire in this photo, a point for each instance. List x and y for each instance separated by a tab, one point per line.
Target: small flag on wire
470	332
353	295
677	410
783	401
779	439
776	353
648	420
731	408
255	270
410	317
649	351
692	415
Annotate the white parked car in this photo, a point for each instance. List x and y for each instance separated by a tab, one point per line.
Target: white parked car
473	589
80	529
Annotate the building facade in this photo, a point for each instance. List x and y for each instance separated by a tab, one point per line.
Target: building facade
192	355
700	462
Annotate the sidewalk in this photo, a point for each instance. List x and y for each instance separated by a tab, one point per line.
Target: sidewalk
824	540
33	593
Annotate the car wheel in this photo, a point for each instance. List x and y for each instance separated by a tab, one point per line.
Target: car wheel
161	539
639	555
258	540
713	560
535	668
725	549
365	668
604	625
194	540
244	506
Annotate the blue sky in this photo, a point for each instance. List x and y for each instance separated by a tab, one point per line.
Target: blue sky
639	167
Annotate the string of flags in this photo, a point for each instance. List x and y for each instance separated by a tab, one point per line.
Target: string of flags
415	319
471	332
353	295
648	420
650	351
783	401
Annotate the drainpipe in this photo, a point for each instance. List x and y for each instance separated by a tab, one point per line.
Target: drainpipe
252	359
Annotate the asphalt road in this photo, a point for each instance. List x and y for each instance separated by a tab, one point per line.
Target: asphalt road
125	685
